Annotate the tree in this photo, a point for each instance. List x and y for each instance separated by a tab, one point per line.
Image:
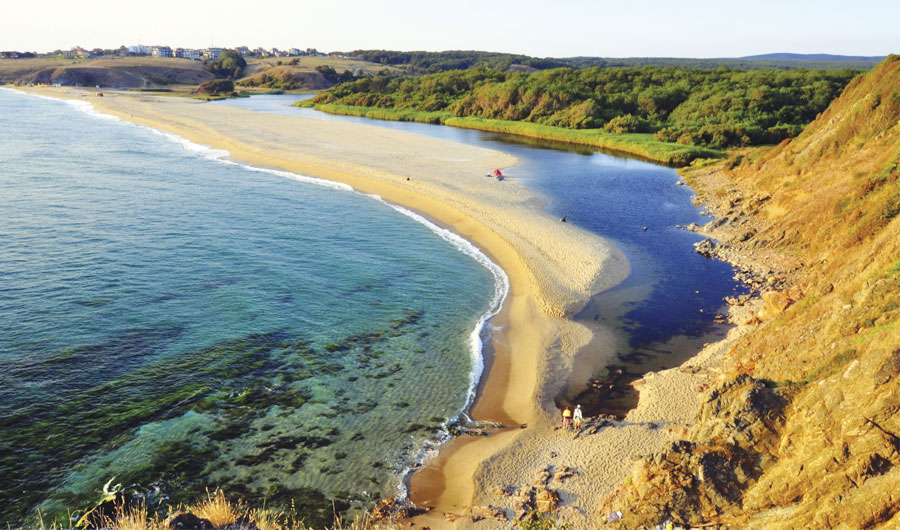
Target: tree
230	64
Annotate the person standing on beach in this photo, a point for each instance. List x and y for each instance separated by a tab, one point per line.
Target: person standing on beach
566	417
577	417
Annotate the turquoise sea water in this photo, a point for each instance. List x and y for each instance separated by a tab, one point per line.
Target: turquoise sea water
170	322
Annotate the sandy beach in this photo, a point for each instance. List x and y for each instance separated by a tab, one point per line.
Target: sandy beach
553	269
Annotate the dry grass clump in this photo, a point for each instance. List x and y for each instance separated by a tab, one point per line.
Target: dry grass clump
218	510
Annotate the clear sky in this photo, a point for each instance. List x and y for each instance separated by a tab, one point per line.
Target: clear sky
560	28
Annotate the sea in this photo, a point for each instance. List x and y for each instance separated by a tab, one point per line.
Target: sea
172	322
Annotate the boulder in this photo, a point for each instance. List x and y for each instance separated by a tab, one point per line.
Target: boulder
188	521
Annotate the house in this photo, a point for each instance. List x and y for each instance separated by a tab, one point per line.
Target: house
243	50
162	51
139	50
212	53
295	52
187	53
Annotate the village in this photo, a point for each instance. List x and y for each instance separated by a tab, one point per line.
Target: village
138	50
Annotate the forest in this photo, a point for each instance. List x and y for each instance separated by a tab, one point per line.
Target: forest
716	108
420	62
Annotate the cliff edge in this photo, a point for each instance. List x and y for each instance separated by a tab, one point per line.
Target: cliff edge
801	429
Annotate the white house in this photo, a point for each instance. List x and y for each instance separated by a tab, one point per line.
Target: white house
139	49
212	53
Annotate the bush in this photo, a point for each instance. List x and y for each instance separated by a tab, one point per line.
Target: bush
627	124
217	86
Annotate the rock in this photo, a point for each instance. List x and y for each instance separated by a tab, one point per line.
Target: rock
389	510
242	523
795	293
705	248
774	303
564	474
478	513
543	477
546	500
188	521
889	369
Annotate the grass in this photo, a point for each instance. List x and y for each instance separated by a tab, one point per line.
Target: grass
217	510
642	145
826	370
220	512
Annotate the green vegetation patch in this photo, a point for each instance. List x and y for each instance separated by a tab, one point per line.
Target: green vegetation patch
716	108
643	145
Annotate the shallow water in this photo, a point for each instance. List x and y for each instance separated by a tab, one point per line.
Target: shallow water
169	322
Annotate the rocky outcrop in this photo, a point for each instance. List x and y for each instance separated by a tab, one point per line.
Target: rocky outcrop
695	482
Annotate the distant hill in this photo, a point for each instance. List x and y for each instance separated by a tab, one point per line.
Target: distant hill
759	62
420	62
819	57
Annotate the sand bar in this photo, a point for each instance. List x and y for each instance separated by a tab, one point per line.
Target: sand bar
553	267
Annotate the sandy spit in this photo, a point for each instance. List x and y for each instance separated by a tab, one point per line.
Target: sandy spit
553	268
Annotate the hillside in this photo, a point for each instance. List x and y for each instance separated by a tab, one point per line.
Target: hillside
800	425
112	72
816	57
305	73
289	73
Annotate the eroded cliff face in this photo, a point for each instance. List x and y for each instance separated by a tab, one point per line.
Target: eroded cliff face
802	429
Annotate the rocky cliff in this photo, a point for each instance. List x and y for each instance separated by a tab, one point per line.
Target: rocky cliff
802	427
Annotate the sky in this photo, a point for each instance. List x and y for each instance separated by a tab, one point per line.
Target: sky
560	28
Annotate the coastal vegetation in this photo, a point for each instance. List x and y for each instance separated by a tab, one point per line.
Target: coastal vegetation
717	109
641	145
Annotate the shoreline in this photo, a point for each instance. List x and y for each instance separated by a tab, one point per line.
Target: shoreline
537	301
